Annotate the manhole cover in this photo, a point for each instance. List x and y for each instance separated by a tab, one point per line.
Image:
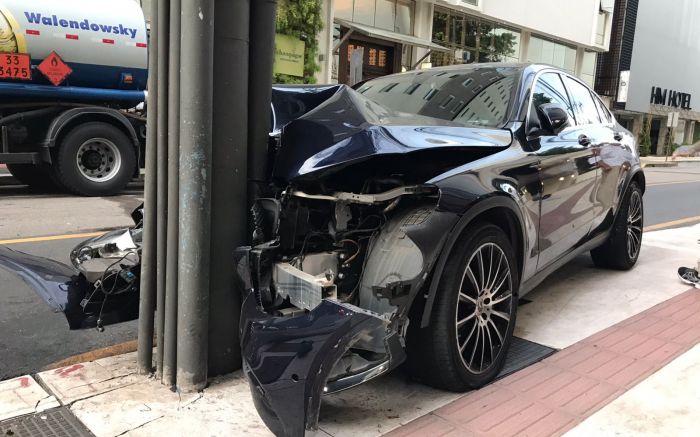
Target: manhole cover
59	422
523	353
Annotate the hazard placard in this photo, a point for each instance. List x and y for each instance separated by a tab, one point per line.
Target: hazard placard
54	69
15	66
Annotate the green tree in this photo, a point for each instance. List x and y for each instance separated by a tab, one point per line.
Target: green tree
301	19
645	138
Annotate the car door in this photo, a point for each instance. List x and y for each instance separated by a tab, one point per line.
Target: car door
602	137
567	171
614	151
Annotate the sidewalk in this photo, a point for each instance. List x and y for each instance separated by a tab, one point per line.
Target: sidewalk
628	365
661	161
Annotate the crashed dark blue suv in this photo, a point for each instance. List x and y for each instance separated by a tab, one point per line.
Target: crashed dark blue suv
407	216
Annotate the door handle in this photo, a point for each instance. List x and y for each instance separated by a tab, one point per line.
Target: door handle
584	140
618	136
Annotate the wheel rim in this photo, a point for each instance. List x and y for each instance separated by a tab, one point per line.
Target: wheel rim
484	307
634	225
98	160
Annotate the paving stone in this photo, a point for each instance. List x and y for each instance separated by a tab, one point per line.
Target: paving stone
631	374
558	382
428	425
646	348
512	422
598	357
466	409
23	395
80	381
549	425
665	353
148	408
591	399
612	367
624	345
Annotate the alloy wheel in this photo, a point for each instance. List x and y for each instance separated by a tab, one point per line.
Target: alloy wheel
634	225
484	307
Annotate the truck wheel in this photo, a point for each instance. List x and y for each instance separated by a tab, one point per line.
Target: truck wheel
36	176
95	159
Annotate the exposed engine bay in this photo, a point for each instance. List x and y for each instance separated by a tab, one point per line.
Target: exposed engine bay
344	247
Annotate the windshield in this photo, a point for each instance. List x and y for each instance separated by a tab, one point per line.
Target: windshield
470	95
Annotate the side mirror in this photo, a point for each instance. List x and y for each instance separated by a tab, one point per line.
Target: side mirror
553	117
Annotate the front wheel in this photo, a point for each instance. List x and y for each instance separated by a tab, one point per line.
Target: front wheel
473	316
95	159
621	250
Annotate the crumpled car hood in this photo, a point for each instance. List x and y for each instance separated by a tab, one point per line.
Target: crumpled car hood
326	128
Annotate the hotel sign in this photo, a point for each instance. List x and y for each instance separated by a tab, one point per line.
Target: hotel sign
666	97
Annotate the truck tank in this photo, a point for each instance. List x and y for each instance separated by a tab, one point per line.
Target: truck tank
104	44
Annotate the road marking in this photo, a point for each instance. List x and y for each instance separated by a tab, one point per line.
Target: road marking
52	238
672	223
672	183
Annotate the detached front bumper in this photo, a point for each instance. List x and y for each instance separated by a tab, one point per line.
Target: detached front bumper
288	360
111	258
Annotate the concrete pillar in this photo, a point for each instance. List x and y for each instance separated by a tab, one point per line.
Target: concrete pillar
524	45
689	131
637	125
422	28
325	43
692	131
580	53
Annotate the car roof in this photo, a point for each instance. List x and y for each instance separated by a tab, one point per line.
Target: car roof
522	66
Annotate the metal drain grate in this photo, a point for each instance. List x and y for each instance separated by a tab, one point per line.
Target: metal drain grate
523	353
59	422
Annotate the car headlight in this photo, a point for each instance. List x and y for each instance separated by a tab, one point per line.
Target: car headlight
85	253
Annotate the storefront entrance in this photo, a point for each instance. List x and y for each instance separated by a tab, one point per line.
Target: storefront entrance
379	58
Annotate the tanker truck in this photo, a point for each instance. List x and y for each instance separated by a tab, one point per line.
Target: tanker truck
72	87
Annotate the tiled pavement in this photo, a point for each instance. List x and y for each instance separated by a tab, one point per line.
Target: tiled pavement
555	395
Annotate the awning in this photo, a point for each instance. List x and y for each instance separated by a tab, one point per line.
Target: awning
392	36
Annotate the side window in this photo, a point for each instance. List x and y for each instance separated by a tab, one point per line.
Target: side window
605	116
584	106
549	89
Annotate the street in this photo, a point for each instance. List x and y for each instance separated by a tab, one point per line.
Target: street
34	337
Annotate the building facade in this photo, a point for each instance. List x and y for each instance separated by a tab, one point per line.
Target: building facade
652	69
399	35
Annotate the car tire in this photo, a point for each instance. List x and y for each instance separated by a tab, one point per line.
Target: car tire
453	352
94	159
621	250
36	176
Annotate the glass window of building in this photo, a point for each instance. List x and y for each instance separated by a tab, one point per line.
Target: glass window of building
474	39
393	15
385	14
543	51
506	44
405	11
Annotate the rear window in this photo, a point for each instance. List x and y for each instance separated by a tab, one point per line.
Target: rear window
475	96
